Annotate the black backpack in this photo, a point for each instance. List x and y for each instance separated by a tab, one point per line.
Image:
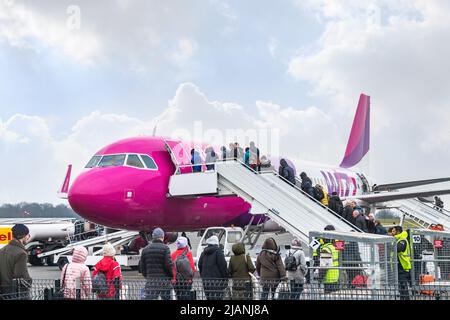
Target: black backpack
99	285
319	193
183	267
290	262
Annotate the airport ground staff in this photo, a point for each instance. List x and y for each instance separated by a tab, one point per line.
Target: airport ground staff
331	277
13	264
404	261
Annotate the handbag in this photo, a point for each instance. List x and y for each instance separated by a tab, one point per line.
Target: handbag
59	292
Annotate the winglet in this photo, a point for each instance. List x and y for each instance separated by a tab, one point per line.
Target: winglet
358	142
65	187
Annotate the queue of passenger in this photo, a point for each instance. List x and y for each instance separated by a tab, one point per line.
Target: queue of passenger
250	156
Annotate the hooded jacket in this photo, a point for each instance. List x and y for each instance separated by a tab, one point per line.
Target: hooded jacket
13	265
336	205
179	252
268	264
286	171
212	263
111	269
240	264
74	271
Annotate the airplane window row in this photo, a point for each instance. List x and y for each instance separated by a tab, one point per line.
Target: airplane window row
116	160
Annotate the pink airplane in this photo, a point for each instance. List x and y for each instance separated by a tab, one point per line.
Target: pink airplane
125	184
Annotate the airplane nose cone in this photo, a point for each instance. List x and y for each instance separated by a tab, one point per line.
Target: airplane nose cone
91	196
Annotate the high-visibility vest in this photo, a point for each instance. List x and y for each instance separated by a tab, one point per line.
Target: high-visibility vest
404	257
332	275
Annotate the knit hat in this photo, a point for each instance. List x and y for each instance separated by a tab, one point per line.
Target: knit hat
109	250
329	228
19	231
158	233
296	242
181	242
213	240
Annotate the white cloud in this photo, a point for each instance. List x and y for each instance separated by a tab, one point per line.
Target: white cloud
402	62
44	158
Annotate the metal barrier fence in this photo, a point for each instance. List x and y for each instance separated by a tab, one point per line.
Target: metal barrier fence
228	289
353	259
430	256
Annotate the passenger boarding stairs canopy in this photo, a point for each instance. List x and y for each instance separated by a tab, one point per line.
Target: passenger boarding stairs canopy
423	214
267	192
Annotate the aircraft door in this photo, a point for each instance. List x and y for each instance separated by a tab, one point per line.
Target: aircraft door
179	156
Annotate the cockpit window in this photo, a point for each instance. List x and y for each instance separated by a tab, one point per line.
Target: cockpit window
112	161
149	162
93	162
134	161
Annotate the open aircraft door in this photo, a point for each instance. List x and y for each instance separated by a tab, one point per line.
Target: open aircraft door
179	155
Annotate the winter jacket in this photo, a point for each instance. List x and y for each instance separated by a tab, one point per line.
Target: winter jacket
156	261
360	222
76	270
13	265
196	159
177	253
348	214
379	229
286	171
212	263
240	264
324	201
308	187
299	274
269	264
111	268
370	226
211	156
335	204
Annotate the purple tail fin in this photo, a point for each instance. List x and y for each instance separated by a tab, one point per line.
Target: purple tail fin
358	142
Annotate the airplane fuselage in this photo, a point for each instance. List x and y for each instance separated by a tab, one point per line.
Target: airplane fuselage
134	196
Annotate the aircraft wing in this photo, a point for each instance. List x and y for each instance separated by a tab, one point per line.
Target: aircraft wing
408	184
391	196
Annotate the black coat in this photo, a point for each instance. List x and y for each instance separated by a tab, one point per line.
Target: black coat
308	187
361	223
156	261
336	205
212	263
348	214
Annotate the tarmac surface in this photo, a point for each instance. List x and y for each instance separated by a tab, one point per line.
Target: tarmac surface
46	272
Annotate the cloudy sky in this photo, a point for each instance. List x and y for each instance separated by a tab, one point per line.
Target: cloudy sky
77	75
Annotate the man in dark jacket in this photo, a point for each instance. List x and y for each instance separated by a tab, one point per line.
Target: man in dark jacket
307	185
350	206
13	265
156	266
213	270
335	204
286	171
360	220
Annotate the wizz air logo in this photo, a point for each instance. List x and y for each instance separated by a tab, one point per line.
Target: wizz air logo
340	183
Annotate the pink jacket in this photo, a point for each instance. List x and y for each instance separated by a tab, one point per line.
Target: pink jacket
77	270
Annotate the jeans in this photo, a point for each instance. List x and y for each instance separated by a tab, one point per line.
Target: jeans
183	291
296	290
155	288
404	279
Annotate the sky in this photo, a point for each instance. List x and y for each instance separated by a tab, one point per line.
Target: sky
78	75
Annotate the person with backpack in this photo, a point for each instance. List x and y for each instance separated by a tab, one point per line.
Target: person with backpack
306	185
296	268
270	268
74	272
107	276
157	267
213	270
240	267
286	171
321	195
183	270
